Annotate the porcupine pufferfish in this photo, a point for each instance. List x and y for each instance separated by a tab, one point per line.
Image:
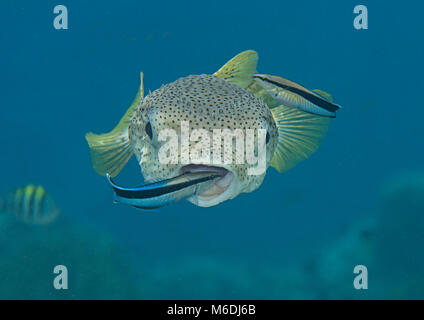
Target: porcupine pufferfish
230	99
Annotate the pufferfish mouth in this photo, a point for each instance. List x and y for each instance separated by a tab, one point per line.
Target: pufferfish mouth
219	185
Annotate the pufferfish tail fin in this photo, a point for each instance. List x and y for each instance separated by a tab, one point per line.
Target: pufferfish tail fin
299	135
111	151
239	70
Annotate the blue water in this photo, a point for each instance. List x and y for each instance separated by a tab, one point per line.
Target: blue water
56	85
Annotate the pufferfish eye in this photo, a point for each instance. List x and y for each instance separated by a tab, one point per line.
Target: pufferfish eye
148	130
267	137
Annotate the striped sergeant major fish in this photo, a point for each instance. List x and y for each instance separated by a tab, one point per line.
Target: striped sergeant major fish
293	95
30	204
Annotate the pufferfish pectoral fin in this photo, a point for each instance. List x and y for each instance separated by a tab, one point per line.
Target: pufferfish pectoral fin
239	70
111	151
299	135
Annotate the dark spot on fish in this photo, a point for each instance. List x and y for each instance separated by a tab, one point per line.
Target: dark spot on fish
148	130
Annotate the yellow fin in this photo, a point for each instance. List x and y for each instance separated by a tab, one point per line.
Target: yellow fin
324	94
299	135
239	70
111	151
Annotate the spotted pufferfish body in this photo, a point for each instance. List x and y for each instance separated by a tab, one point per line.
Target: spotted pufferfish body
204	102
228	99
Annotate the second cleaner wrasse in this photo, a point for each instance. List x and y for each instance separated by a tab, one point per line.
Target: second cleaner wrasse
293	95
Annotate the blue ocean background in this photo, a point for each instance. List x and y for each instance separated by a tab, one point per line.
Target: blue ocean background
358	200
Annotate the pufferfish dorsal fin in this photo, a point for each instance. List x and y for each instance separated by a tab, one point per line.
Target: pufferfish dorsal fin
111	151
299	135
324	94
239	70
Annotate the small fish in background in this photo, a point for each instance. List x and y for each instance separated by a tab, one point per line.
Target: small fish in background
30	204
293	95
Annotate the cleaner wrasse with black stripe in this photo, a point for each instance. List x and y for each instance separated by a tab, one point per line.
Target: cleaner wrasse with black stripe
158	194
293	95
30	204
228	99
